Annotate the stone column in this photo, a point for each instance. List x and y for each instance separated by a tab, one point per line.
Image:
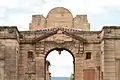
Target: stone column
11	63
109	60
40	67
78	67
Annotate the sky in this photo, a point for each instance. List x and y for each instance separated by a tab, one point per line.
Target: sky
61	65
100	13
19	12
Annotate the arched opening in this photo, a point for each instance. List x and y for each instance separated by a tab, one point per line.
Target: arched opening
59	64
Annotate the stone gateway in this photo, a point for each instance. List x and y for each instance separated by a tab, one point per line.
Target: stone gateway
23	53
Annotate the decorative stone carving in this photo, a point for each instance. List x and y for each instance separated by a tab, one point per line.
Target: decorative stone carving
31	67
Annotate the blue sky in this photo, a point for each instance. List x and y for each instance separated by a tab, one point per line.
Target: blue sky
100	12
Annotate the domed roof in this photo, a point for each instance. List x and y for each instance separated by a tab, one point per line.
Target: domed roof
59	10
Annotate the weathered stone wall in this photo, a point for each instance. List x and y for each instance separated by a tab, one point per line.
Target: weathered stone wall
38	22
81	22
92	65
15	46
26	67
77	55
59	17
2	61
9	40
60	40
109	46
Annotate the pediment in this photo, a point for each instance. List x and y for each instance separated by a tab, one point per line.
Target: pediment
59	37
62	36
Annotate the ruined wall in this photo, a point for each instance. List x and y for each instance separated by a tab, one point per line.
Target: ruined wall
38	22
59	17
81	22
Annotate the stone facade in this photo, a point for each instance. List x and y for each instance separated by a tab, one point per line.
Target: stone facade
23	53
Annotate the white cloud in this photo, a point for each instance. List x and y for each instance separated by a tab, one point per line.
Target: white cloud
46	0
20	21
80	6
2	12
31	7
9	3
61	65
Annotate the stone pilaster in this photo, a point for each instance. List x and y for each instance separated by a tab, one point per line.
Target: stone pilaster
78	67
109	60
21	70
11	62
40	68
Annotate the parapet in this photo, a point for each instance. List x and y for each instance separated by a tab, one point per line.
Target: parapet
9	32
81	22
38	22
82	18
59	17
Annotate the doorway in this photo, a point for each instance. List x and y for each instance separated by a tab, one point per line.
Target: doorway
59	64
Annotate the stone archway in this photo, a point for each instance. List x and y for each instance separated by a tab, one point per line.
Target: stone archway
55	38
47	73
74	47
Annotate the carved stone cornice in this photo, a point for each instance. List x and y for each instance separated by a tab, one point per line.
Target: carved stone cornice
9	32
35	36
72	33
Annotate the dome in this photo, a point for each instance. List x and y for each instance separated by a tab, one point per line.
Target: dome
59	10
59	17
